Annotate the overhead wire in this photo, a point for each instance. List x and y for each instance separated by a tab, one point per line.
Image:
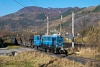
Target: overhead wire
39	6
27	7
22	2
23	5
33	2
36	3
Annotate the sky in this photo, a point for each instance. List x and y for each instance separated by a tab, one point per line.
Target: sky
10	6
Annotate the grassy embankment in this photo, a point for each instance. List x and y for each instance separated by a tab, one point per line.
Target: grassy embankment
36	59
91	39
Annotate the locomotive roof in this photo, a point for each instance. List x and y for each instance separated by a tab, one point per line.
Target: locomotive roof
50	36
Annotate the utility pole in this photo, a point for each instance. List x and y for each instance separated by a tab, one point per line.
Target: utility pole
73	29
47	26
61	26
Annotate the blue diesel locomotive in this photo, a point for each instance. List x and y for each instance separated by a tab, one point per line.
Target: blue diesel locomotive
52	43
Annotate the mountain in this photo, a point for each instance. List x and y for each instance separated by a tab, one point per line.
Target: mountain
34	18
84	19
31	16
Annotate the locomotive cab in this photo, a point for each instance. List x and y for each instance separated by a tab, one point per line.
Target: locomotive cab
37	40
49	42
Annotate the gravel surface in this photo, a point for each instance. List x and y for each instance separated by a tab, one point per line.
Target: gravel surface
4	50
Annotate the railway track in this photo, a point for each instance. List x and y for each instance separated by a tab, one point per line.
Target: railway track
73	58
69	57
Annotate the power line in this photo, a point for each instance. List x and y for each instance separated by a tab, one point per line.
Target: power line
23	5
33	2
27	7
22	2
36	3
39	6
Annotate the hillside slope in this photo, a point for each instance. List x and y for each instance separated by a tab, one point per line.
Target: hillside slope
36	18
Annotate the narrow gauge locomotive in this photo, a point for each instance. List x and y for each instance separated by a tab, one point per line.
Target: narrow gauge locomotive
52	43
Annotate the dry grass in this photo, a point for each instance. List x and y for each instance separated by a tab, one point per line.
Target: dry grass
68	40
89	53
8	41
36	59
12	47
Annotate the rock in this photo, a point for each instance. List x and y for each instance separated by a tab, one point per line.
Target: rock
13	53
